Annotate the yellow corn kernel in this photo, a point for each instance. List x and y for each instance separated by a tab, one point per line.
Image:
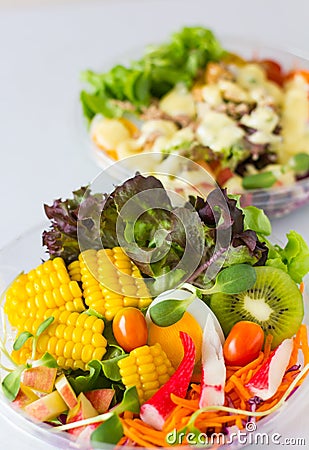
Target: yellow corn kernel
98	326
45	282
97	339
72	319
42	343
59	300
54	280
51	346
90	321
87	353
66	293
78	364
75	289
60	347
98	353
77	335
147	368
61	361
68	333
68	363
74	271
77	351
86	337
76	305
60	330
68	349
81	320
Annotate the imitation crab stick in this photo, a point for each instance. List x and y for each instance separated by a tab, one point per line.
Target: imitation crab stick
159	406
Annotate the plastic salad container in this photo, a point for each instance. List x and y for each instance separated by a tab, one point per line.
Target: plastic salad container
276	201
30	252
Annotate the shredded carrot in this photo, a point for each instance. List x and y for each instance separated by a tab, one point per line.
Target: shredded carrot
243	392
267	345
304	343
133	434
196	388
190	404
128	415
302	287
236	393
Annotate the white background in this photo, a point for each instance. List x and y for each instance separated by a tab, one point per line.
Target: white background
43	48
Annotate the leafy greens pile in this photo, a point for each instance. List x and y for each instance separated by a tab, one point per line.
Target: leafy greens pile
232	234
158	71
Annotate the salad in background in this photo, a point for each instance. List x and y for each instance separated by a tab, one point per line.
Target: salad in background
245	121
108	353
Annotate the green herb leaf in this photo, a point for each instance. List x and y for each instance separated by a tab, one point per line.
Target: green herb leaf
233	280
111	369
130	402
43	326
21	339
109	432
169	311
93	312
47	360
11	383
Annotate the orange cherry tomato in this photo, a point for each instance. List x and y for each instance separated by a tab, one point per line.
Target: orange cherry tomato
243	344
302	73
130	328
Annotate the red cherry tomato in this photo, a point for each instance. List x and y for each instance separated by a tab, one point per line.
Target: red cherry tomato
130	328
243	344
273	70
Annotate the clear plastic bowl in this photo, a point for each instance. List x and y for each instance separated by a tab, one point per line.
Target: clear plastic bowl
27	252
276	202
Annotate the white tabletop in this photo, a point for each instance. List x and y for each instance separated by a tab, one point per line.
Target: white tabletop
43	50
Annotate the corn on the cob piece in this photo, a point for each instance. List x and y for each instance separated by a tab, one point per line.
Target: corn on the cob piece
111	281
147	368
73	339
46	288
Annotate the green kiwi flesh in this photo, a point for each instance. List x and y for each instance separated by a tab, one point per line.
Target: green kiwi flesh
274	302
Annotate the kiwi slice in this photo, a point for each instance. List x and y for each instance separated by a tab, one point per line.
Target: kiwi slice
274	302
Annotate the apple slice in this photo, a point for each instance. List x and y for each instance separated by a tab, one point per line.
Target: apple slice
100	399
266	381
40	378
66	391
24	397
47	408
83	410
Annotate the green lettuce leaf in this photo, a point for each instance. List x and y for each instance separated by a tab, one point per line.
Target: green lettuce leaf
153	75
293	258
